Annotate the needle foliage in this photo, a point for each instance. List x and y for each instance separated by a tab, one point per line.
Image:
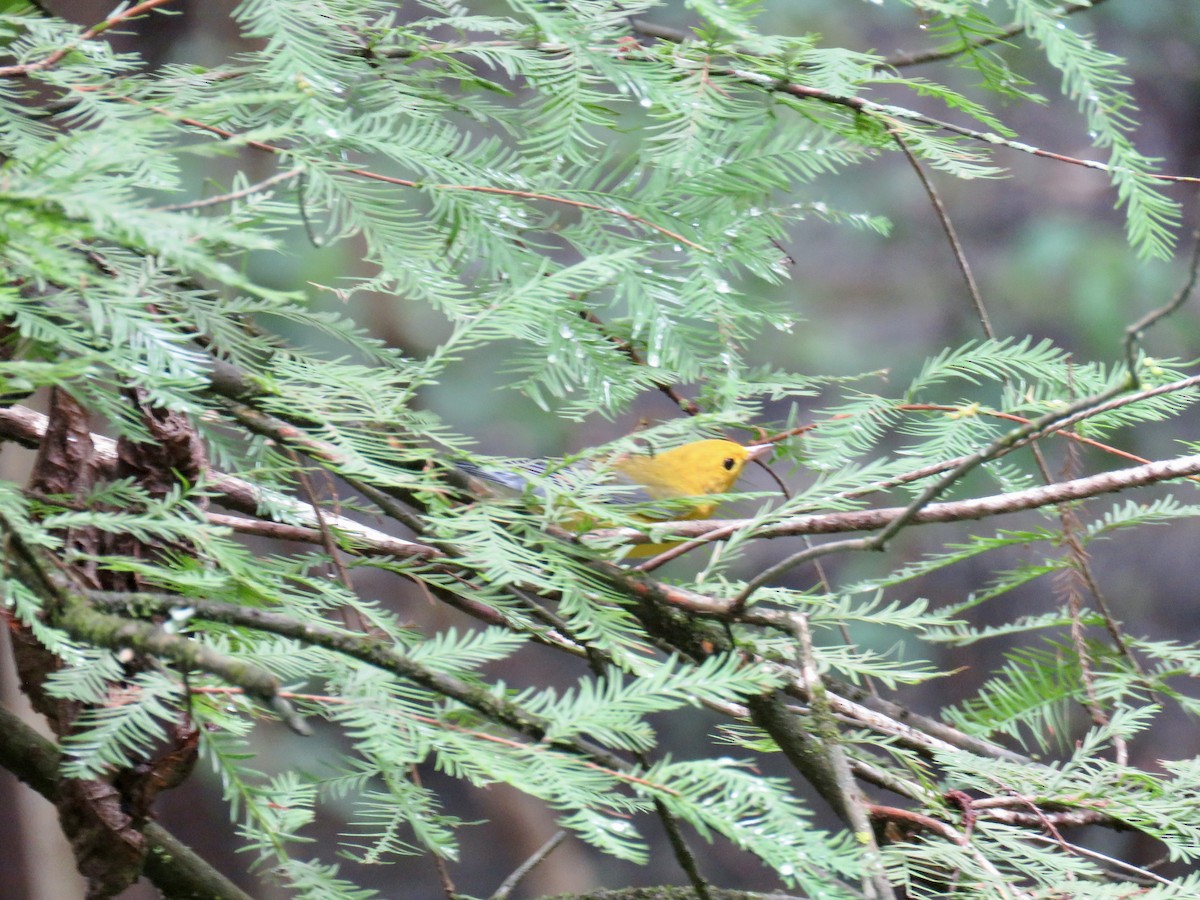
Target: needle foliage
593	208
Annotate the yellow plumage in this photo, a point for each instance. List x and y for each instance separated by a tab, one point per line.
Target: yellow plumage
693	470
697	469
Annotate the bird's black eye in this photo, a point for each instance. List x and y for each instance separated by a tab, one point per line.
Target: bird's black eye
728	463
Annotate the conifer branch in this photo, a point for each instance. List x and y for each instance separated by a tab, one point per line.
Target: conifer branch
948	511
146	639
363	648
875	885
27	427
922	57
370	175
54	58
66	607
231	196
528	214
171	866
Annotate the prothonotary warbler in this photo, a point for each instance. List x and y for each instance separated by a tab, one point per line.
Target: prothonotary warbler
693	470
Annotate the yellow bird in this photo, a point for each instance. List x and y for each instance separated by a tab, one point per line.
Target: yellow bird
697	469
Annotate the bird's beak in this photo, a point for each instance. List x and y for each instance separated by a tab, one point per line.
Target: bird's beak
759	451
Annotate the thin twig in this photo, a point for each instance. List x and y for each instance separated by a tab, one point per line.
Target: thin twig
232	195
438	863
1137	871
351	617
960	257
1133	334
56	56
931	493
535	859
680	549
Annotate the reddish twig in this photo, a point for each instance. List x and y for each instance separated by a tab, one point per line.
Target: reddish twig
225	134
56	57
530	747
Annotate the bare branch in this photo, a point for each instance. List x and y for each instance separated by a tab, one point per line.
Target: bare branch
960	256
256	188
27	427
950	511
1133	334
515	877
874	884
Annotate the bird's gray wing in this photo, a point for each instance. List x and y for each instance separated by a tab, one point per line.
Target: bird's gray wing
530	474
517	480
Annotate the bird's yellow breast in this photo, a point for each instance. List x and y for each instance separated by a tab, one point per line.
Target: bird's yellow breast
693	470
